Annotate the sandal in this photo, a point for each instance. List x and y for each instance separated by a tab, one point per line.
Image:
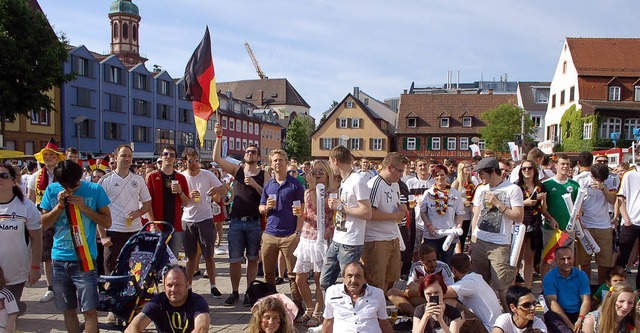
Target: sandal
315	320
304	318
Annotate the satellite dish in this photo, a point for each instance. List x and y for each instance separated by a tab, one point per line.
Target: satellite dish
345	137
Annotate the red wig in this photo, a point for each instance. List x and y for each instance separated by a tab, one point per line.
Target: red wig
437	168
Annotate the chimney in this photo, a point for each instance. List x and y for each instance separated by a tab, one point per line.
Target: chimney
404	91
356	92
260	98
490	91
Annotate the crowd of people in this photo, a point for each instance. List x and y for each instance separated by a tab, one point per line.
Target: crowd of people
455	247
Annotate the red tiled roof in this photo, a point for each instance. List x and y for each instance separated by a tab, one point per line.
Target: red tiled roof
429	107
590	106
605	56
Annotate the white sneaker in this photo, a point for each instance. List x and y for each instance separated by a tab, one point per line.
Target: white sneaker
316	329
48	296
220	250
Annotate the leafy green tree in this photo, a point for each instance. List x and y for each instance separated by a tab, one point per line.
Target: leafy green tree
31	59
503	123
298	140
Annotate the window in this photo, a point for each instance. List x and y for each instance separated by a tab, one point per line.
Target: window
355	122
141	108
141	82
125	31
562	97
232	144
629	125
40	118
224	122
564	67
411	143
238	146
342	142
184	116
116	34
164	112
481	144
464	143
232	124
238	125
28	147
444	122
141	134
376	144
251	128
82	67
165	88
327	143
114	102
113	131
536	120
87	129
412	122
614	93
355	143
609	125
208	144
84	97
114	74
349	105
342	122
553	100
435	143
542	96
256	128
210	124
587	130
451	143
466	122
636	95
572	94
244	144
244	126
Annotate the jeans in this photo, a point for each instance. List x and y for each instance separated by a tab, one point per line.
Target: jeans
244	235
70	283
338	255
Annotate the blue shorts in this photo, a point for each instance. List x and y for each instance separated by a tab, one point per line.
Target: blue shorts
70	283
244	235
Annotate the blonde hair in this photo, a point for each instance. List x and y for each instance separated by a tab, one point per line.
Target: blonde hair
278	151
394	159
265	305
607	322
327	170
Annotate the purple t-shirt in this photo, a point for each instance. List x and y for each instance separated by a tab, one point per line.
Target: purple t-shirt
280	221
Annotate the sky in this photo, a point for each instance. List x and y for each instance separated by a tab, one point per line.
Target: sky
325	48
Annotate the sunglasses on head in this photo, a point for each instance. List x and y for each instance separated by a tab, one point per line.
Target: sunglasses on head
170	154
5	175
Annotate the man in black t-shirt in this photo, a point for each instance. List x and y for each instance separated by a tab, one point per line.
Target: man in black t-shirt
177	309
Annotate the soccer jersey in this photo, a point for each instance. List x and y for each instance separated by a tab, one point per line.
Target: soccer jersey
385	198
350	230
440	217
595	208
492	225
202	182
125	194
555	203
15	217
8	306
417	187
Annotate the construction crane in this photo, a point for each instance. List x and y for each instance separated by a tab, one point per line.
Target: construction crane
255	61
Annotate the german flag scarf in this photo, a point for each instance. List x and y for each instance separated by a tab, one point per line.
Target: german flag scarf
41	185
79	239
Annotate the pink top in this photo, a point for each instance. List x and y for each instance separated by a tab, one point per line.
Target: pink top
310	226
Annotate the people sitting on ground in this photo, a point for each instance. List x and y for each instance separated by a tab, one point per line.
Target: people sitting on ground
270	315
617	274
473	292
522	313
9	310
567	293
435	315
177	309
345	304
406	300
617	313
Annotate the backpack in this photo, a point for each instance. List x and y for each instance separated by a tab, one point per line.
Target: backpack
258	289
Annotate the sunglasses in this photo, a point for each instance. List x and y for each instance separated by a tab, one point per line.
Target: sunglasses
5	175
292	171
251	151
527	168
166	153
528	305
317	172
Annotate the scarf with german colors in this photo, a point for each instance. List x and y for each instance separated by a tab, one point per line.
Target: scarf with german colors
79	239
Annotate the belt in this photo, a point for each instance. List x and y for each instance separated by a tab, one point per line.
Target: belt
249	218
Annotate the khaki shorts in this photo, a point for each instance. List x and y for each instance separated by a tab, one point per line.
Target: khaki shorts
604	258
492	262
382	262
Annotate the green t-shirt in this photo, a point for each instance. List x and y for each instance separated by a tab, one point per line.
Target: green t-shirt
602	290
555	204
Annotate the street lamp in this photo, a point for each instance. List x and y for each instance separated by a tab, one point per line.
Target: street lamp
78	121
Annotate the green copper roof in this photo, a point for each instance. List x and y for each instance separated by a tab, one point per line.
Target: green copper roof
124	7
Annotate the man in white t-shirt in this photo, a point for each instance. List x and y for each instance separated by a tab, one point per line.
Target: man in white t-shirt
381	256
473	292
197	216
32	167
595	218
630	213
352	211
497	205
418	186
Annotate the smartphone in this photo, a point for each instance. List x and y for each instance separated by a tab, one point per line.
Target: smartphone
434	299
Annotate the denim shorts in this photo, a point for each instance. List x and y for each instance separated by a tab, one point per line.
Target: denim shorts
244	235
70	283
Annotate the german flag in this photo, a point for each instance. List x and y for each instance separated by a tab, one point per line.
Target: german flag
200	85
79	240
558	239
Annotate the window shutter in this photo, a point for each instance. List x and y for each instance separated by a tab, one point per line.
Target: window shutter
370	143
361	143
335	142
360	122
404	143
384	144
349	120
320	141
429	144
337	122
418	143
446	143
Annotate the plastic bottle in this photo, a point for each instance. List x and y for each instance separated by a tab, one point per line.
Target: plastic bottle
543	303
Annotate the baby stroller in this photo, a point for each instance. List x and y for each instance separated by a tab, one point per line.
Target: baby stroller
137	273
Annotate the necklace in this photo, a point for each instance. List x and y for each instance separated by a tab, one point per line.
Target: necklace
468	188
441	203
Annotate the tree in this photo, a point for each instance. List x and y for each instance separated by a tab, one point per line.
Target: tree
31	59
503	124
298	141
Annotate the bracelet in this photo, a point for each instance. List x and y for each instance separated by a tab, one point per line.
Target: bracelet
505	209
581	317
219	137
60	206
35	267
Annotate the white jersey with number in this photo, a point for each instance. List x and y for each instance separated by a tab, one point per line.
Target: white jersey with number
418	187
350	230
385	198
